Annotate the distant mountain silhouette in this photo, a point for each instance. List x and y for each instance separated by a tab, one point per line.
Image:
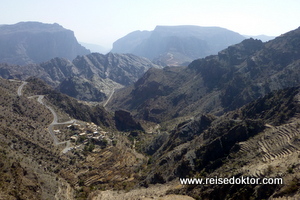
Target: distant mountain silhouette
35	42
174	45
128	43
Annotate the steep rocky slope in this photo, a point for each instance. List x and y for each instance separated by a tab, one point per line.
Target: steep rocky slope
258	140
91	77
96	114
25	147
174	45
34	166
237	75
33	42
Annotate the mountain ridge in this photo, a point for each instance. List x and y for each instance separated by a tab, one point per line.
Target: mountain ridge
90	77
237	75
34	42
176	44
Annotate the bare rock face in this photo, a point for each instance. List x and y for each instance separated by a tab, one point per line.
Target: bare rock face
91	77
33	42
81	89
124	69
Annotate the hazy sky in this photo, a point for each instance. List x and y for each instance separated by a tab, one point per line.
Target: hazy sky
104	21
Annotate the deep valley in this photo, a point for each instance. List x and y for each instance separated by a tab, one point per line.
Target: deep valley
118	126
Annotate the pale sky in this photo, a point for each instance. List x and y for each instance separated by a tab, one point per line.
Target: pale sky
104	21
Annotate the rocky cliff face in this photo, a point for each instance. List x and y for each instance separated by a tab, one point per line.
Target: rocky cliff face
81	88
34	42
174	45
91	77
237	75
124	69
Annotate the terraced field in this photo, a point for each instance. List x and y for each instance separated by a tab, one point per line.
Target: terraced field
284	142
111	165
275	142
275	149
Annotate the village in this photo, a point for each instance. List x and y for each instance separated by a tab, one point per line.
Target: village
84	136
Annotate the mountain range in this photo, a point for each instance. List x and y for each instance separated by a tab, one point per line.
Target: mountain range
53	54
91	77
174	45
34	42
231	114
238	75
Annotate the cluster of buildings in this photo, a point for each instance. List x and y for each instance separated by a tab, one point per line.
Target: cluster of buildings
83	133
87	132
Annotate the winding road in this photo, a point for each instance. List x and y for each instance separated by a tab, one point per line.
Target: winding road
20	88
113	91
53	123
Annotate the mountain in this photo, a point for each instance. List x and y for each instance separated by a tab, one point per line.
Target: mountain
91	77
215	84
34	42
237	144
174	45
124	69
128	43
231	116
259	140
52	146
